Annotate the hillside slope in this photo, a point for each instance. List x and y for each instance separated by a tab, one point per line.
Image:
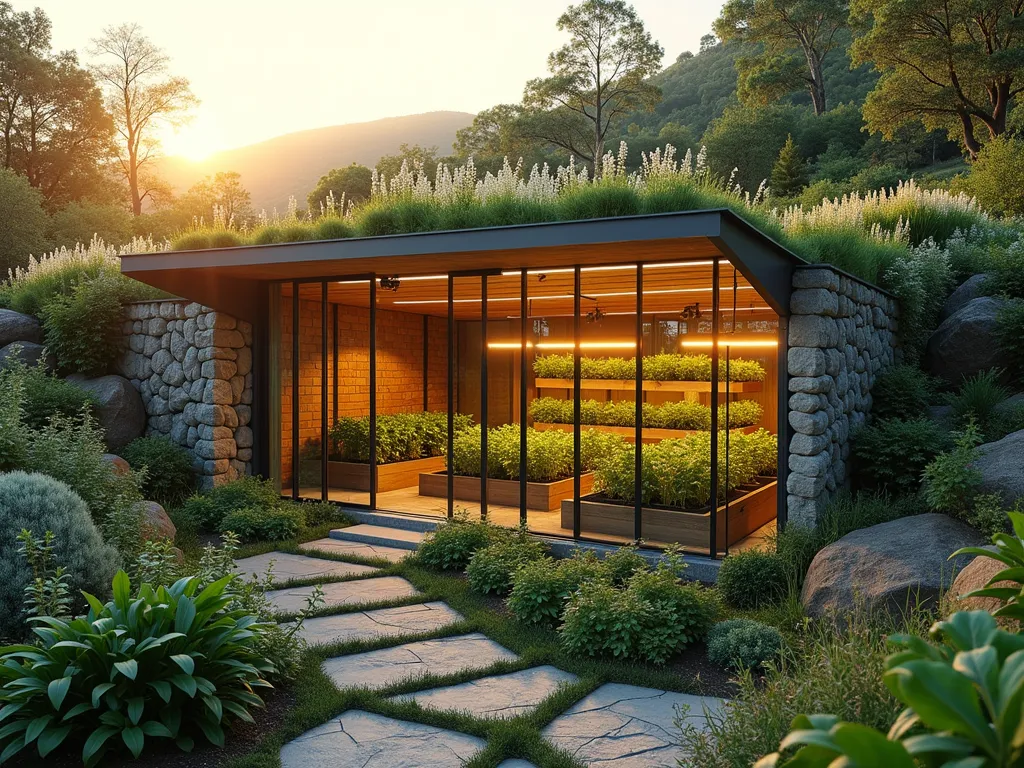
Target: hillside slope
291	164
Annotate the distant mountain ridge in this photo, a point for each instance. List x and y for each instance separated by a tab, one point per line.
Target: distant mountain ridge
291	164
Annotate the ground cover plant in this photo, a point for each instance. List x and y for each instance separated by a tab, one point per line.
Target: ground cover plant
400	436
654	367
678	415
743	643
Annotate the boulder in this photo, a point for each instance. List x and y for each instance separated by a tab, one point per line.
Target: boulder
969	290
27	352
976	576
15	326
117	465
119	409
965	343
155	522
887	566
1002	467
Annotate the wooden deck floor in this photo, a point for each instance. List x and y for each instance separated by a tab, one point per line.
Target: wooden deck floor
409	501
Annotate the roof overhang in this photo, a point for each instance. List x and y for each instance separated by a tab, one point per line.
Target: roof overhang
230	279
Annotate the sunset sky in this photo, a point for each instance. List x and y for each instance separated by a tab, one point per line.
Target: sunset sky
263	69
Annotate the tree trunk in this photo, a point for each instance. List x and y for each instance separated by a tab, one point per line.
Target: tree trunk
133	184
817	83
971	143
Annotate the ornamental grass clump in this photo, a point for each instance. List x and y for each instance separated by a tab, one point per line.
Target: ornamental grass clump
173	663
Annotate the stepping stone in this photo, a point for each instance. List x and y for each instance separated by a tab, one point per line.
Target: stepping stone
385	622
377	669
359	739
288	566
399	538
628	726
357	592
498	696
358	548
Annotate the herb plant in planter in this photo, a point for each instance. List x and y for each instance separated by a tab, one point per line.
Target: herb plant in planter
655	368
407	444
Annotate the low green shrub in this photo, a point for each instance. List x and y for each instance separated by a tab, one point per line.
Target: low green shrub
743	643
264	523
317	513
989	515
41	504
168	469
46	395
173	663
621	564
662	367
491	568
962	696
83	328
400	436
209	509
753	578
902	392
652	618
678	415
451	545
977	399
891	454
541	587
950	481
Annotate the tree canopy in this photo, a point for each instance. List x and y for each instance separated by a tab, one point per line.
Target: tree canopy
347	185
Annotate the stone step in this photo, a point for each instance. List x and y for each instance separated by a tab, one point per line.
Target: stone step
357	739
357	592
287	566
421	619
498	696
443	656
358	548
379	535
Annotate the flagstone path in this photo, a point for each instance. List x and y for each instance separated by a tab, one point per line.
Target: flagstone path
621	726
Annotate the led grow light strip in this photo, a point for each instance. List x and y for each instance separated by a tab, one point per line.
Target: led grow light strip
563	345
730	343
657	292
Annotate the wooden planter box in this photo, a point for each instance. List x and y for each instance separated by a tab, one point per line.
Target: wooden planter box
747	512
540	496
355	476
650	434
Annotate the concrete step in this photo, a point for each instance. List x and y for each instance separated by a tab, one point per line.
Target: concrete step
378	534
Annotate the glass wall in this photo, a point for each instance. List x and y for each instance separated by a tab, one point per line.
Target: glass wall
605	402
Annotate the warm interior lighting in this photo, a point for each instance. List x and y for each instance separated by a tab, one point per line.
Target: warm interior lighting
611	268
562	345
655	292
730	343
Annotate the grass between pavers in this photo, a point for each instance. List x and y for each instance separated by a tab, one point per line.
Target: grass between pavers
318	699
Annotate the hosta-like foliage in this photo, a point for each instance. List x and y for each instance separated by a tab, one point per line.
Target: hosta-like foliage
168	664
964	697
1009	551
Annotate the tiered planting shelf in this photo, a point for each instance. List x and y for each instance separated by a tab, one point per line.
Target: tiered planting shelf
629	385
650	434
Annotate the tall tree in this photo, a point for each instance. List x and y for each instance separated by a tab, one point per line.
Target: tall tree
142	97
953	64
785	31
789	174
223	192
598	77
24	41
413	155
351	183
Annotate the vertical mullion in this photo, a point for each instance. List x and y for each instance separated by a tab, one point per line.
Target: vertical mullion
576	363
523	405
373	392
728	400
451	396
295	389
638	431
426	359
483	397
335	323
715	304
323	391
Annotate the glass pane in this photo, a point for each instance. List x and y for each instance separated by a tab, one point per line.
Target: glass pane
348	349
281	426
310	390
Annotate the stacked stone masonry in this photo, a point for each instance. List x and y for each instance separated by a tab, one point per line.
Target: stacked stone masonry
193	368
842	332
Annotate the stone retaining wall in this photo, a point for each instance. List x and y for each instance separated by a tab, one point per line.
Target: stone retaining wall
842	332
193	368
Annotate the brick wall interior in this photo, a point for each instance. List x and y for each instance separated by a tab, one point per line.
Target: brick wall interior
400	367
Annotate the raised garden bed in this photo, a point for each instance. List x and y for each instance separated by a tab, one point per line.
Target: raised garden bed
629	385
650	434
540	496
355	476
750	507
